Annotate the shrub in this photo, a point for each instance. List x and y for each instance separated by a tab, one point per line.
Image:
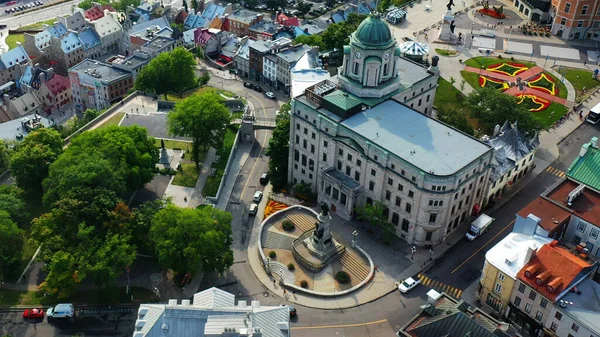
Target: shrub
291	267
342	277
287	225
272	254
500	56
304	284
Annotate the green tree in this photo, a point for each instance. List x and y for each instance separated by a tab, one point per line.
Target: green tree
330	3
142	221
194	6
170	71
303	7
204	78
384	5
185	6
188	239
311	40
11	202
122	5
456	119
118	159
491	107
5	154
338	34
29	164
12	243
278	150
201	117
375	214
251	3
275	4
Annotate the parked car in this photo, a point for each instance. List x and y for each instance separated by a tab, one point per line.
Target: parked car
33	313
264	178
253	209
257	196
248	85
292	310
270	95
408	284
62	310
258	88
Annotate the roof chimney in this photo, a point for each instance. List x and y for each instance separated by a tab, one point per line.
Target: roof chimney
584	149
594	142
530	254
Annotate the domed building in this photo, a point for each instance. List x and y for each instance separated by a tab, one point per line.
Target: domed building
366	135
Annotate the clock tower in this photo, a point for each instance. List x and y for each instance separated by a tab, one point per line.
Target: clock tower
370	61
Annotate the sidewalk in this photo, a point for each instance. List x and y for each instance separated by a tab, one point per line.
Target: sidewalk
3	45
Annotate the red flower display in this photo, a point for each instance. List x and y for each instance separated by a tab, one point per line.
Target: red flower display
507	68
492	13
543	83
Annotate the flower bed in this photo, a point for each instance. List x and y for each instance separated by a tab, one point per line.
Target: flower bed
492	83
543	83
492	13
533	103
507	68
273	206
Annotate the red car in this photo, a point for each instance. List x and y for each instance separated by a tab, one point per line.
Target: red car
33	313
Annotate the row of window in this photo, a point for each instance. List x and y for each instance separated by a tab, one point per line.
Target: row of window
584	9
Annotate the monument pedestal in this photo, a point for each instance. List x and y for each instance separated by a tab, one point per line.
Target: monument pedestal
165	159
446	33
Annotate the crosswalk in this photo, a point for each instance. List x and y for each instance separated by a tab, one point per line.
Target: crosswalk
555	171
439	286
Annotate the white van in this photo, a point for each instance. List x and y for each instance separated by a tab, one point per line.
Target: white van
62	310
479	226
594	116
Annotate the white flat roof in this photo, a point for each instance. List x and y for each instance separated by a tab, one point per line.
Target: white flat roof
509	254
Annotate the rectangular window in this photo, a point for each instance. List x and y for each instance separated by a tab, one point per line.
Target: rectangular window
400	187
343	198
313	135
297	126
398	201
517	301
544	303
584	9
532	295
325	143
388	195
501	277
339	167
428	236
498	288
581	226
567	7
312	148
553	327
411	194
453	209
395	218
408	208
521	288
538	316
430	202
432	217
304	143
296	155
414	178
427	100
324	156
563	21
528	308
402	172
373	172
594	233
357	176
575	327
358	162
405	224
558	315
341	152
348	170
371	186
390	181
580	23
305	131
349	157
297	139
303	160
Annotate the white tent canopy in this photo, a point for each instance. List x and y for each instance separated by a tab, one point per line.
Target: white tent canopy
414	48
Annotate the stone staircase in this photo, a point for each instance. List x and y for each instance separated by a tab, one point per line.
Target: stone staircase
281	270
275	240
355	264
303	221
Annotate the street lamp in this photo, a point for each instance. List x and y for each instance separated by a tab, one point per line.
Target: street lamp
472	26
354	235
413	249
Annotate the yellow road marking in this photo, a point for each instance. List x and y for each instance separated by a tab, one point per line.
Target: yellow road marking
259	153
459	293
338	326
549	168
478	250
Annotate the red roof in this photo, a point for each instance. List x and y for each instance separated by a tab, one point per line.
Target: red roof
58	84
585	206
562	265
94	13
550	214
287	21
201	36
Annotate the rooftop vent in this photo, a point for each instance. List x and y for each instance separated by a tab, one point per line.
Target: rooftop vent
574	194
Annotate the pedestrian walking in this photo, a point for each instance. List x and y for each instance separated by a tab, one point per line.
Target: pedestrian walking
284	291
581	115
584	63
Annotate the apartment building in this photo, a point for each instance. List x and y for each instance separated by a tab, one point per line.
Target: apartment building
111	34
97	85
240	21
577	314
12	64
258	50
74	21
36	44
54	93
362	137
65	52
285	61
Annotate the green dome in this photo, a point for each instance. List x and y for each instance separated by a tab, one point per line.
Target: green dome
373	32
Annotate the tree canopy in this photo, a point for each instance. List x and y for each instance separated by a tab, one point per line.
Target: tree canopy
311	40
275	4
30	162
303	7
117	159
279	147
203	118
376	215
456	119
338	34
187	239
169	71
11	202
491	107
12	242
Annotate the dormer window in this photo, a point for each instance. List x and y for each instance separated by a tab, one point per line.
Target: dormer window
550	289
527	274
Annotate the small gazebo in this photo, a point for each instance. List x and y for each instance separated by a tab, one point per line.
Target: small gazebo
414	50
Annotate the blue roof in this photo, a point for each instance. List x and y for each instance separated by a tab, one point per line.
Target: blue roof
57	30
204	20
89	38
416	138
13	56
161	22
70	42
26	76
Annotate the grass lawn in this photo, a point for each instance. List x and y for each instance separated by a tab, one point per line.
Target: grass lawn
38	25
115	295
581	79
212	183
114	120
445	52
562	88
12	39
187	176
550	115
448	95
175	97
471	78
488	61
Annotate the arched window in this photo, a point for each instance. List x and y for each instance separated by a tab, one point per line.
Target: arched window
355	70
385	69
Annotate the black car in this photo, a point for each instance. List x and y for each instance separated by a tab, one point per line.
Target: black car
264	178
248	85
258	88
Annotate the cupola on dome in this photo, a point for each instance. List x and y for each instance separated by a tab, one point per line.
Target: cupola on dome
373	32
